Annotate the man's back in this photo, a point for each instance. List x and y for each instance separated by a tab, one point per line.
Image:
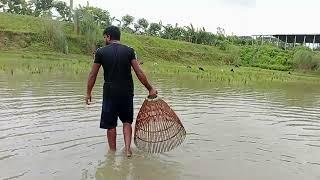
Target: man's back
116	62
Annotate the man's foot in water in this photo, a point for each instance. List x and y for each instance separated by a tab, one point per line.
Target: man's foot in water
129	152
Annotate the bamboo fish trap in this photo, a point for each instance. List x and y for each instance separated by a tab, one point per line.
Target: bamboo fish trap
158	129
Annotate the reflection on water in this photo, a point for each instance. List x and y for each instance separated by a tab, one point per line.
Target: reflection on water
262	131
140	166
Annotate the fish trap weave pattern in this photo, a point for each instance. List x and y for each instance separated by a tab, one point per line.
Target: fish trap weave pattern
158	129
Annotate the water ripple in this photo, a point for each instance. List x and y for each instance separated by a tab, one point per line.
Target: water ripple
46	127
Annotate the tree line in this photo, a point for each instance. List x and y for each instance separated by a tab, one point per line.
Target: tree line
87	18
89	22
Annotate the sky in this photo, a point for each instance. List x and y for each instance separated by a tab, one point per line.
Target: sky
237	17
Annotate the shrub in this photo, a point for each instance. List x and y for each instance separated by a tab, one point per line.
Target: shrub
53	34
306	60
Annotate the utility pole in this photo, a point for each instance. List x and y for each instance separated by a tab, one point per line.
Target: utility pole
71	5
71	10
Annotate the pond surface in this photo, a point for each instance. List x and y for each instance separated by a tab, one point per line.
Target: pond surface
267	131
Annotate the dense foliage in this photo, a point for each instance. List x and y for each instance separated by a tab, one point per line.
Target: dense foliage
88	23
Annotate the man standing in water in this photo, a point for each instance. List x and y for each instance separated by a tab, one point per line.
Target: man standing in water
118	89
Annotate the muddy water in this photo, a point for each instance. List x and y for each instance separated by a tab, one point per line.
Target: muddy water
233	132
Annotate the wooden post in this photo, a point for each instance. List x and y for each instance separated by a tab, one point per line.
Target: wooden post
286	42
295	40
278	41
314	40
304	40
270	39
262	40
70	10
252	40
71	5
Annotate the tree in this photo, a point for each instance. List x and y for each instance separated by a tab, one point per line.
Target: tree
137	28
191	34
143	23
100	16
202	36
154	29
141	26
179	33
175	33
42	7
62	9
220	32
88	22
96	17
118	20
127	20
16	6
27	8
167	32
3	4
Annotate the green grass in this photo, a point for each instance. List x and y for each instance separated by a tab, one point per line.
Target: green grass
24	33
23	47
39	63
24	23
244	75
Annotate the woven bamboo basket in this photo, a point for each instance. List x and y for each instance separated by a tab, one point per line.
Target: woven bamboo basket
158	129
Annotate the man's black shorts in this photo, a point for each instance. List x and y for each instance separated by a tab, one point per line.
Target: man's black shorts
114	107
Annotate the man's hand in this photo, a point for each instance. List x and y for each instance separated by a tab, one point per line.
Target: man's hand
91	81
153	92
88	99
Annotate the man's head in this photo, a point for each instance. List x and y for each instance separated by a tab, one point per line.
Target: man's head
111	33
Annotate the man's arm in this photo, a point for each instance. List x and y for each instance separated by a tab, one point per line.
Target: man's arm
142	77
92	80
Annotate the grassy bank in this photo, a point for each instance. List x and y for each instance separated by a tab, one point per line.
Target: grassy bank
42	63
25	33
25	47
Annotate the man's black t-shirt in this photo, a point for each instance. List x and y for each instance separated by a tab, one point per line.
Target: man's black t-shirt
116	62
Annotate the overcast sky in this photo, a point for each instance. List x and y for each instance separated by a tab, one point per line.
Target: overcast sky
240	17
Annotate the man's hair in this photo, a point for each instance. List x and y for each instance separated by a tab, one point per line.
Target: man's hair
113	32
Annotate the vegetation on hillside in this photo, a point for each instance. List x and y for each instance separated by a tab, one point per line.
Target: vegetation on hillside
79	31
20	63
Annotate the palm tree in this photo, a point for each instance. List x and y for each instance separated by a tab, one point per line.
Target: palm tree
190	34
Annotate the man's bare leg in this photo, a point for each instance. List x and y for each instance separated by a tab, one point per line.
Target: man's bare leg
127	132
112	137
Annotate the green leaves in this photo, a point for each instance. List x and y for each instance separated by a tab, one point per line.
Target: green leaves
267	57
142	24
154	29
42	7
127	20
62	9
306	60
